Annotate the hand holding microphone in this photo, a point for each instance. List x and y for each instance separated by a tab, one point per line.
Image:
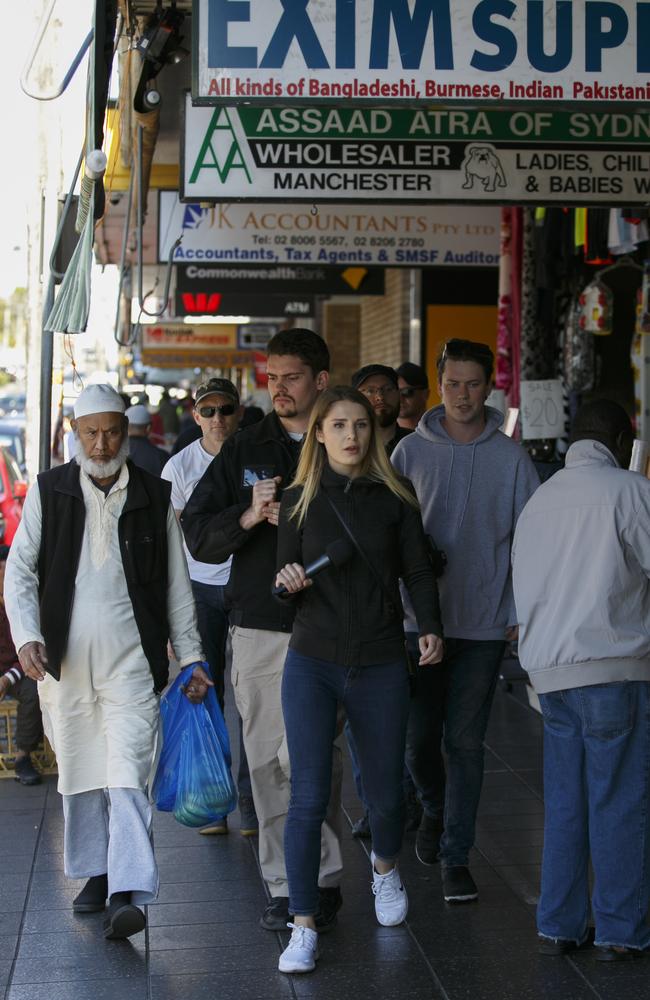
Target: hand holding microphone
293	577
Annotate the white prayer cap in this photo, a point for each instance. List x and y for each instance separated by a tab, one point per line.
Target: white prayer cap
138	415
98	399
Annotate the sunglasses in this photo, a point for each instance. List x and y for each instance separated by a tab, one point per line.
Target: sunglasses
226	410
410	391
380	390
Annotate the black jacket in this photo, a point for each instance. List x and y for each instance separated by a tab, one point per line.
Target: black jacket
346	616
211	521
146	455
142	532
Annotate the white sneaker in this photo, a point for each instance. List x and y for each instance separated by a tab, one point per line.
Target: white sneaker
391	901
302	951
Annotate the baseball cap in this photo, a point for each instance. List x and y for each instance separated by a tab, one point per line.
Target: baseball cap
413	375
362	374
138	415
221	385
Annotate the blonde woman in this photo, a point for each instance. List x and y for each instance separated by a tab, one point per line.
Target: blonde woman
347	645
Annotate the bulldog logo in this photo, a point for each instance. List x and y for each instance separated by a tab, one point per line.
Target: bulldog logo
482	163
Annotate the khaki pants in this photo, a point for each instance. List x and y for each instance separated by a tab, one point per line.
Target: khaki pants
257	665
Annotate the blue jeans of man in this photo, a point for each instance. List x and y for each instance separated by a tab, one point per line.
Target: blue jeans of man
451	704
375	699
212	620
597	802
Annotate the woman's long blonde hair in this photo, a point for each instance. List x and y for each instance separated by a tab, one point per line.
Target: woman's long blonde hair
313	455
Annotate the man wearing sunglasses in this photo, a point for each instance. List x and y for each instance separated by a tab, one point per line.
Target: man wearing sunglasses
217	412
413	394
379	384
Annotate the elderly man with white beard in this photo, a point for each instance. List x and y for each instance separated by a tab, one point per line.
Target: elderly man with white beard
96	585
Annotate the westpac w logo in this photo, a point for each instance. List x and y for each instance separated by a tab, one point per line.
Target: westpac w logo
201	302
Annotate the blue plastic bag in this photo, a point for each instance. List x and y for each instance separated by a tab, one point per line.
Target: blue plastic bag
193	778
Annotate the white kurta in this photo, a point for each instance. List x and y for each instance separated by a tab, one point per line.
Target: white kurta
102	716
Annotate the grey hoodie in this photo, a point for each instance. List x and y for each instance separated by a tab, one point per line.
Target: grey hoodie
471	496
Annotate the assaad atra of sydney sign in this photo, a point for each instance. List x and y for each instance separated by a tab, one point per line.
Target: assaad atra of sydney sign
418	155
406	51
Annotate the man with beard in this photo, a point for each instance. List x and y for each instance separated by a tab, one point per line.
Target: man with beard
96	584
379	384
234	512
413	393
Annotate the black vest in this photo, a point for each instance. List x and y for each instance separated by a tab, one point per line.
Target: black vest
142	532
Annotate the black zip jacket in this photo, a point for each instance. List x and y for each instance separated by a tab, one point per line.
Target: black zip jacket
211	521
346	616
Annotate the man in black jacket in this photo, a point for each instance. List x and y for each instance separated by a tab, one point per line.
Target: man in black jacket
234	511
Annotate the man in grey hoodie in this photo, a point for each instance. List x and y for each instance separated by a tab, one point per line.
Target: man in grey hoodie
581	570
472	482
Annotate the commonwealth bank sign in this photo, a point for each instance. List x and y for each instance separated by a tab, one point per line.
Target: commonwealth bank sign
416	51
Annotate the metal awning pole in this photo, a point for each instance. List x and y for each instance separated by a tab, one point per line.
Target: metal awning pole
47	365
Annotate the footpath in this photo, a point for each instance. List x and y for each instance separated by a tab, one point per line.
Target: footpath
203	940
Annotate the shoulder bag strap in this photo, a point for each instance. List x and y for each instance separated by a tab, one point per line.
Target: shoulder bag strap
346	527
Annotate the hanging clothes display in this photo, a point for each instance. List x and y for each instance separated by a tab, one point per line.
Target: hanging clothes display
625	234
516	241
534	355
578	353
503	379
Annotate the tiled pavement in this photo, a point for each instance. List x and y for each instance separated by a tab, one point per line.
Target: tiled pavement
203	938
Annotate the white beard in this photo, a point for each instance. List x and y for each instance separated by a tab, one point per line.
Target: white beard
103	470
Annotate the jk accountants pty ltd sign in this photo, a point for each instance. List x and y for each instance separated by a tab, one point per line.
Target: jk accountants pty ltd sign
410	51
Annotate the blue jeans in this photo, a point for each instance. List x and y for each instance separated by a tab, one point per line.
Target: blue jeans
212	621
376	703
407	780
597	802
451	703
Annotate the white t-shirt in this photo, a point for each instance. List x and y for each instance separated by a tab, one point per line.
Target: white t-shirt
183	471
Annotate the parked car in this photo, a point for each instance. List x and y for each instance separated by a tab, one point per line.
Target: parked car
12	436
12	401
13	490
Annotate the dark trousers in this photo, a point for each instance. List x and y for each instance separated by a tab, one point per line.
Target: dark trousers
451	704
29	724
212	619
375	699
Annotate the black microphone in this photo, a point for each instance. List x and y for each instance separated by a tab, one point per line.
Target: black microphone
336	554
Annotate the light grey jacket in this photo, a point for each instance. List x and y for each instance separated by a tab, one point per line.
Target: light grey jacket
581	563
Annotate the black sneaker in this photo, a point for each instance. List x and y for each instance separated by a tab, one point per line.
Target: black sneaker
330	902
361	829
427	841
414	811
276	914
123	919
562	946
92	898
458	886
26	773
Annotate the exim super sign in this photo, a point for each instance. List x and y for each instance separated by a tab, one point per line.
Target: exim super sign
405	51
